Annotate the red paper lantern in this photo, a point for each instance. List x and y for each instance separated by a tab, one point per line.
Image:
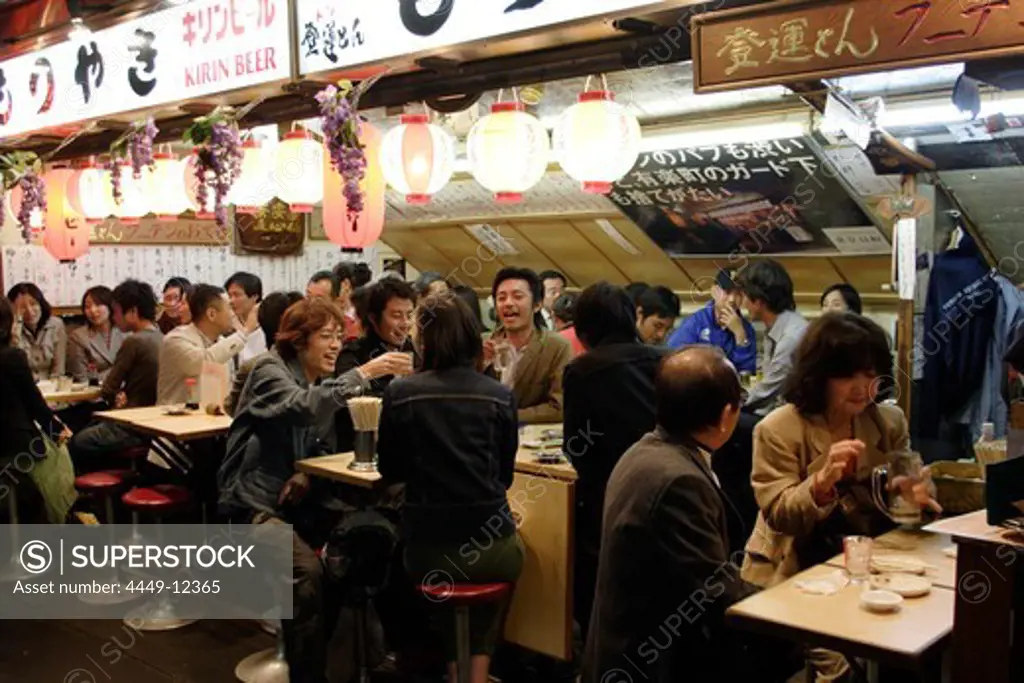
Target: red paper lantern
364	229
66	235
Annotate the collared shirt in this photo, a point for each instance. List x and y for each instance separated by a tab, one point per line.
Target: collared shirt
706	457
184	351
703	328
549	318
46	348
87	346
254	346
776	361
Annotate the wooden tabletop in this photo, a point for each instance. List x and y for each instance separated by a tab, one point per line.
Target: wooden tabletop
153	420
903	639
921	545
80	394
974	526
335	467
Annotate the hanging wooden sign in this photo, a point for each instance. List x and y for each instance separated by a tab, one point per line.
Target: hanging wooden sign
274	230
800	40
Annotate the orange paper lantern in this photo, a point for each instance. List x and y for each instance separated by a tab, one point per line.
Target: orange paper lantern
364	229
66	235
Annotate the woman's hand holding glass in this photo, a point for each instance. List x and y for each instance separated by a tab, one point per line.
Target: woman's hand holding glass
392	363
918	490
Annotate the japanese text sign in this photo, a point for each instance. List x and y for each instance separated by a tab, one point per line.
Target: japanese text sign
335	35
766	197
194	50
799	40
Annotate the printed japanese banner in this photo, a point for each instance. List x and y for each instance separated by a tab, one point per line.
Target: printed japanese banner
762	198
798	40
174	55
336	35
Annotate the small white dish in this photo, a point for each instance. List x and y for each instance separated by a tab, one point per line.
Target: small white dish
880	601
950	552
906	585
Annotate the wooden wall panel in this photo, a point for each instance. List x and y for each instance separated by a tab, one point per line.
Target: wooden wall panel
475	265
572	253
868	274
418	252
652	265
529	255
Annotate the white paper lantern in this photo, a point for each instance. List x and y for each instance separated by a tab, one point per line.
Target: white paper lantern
597	141
417	158
89	194
135	194
299	171
168	199
508	151
253	189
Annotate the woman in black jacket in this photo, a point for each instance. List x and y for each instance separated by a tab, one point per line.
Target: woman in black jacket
22	408
450	434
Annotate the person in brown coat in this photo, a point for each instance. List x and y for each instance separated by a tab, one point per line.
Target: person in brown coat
524	354
813	458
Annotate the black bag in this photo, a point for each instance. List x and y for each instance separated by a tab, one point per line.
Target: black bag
359	553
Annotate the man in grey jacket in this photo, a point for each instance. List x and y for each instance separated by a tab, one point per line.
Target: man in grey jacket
665	576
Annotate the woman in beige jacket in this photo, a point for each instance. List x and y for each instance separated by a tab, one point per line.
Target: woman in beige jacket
813	457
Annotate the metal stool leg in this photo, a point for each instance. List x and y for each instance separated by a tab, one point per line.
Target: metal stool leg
362	645
117	597
14	571
462	644
267	666
157	615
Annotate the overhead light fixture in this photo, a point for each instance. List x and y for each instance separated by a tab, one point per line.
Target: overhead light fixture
709	136
935	113
78	29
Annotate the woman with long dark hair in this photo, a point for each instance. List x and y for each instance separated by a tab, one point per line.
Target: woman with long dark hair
41	335
93	347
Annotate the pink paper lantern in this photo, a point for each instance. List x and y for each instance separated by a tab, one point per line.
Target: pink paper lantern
366	228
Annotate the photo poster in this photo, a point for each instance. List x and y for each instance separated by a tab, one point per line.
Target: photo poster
762	197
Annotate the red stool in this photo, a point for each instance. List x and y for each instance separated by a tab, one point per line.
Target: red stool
103	485
463	596
106	485
157	500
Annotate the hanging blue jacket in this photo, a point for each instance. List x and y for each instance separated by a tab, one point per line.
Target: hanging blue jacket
959	318
702	328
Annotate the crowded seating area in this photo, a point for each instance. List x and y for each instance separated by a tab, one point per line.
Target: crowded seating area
616	341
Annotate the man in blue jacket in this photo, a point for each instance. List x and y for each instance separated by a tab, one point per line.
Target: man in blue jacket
721	324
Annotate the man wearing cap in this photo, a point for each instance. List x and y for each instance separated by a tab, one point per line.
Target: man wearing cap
721	324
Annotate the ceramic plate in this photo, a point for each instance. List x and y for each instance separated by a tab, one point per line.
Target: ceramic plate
893	564
907	585
880	601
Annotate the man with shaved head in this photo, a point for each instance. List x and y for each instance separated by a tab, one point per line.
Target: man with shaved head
665	577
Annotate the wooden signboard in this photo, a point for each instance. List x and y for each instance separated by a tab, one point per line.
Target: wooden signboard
801	40
153	231
274	230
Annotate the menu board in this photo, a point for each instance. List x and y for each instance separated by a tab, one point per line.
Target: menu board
64	285
761	197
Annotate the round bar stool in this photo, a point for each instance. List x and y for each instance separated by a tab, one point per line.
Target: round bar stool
157	500
463	596
106	485
135	455
265	666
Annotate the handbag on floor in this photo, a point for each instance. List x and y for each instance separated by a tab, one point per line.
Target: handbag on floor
54	477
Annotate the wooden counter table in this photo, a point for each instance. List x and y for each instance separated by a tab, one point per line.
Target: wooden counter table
988	636
921	545
77	394
152	420
542	499
912	638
